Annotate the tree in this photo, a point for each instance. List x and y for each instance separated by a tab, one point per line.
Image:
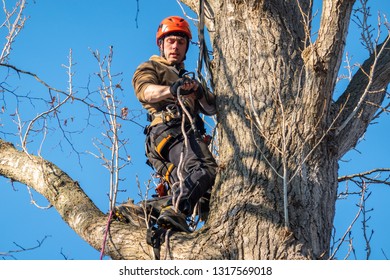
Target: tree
280	137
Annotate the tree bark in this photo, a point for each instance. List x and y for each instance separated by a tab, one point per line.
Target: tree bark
272	120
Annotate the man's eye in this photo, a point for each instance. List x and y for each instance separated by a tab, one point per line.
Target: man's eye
179	41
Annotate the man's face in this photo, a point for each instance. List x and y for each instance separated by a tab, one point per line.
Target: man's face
175	48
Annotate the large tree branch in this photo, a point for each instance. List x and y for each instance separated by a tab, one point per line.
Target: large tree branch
324	55
362	98
125	241
322	62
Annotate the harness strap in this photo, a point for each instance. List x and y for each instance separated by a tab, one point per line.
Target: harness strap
163	116
161	144
168	173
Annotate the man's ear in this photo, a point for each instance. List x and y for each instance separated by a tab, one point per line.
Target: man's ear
161	48
161	45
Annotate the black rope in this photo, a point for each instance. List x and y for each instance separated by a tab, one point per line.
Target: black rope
203	51
155	237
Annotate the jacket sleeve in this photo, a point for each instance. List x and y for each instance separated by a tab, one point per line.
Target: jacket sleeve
144	76
207	103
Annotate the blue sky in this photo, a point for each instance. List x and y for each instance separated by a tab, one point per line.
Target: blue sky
55	27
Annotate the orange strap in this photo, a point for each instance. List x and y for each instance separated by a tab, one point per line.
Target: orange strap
162	144
168	173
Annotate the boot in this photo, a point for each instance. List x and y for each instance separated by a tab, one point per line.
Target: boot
169	218
135	214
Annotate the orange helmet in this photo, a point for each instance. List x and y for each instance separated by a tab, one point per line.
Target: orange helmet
173	24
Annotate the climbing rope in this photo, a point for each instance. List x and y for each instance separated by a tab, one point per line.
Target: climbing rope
106	234
176	200
203	51
202	58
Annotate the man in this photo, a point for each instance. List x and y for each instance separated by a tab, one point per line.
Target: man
163	89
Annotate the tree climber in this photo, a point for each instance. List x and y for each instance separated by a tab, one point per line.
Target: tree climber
163	87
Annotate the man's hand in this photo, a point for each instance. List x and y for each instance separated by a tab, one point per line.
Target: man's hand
183	86
199	92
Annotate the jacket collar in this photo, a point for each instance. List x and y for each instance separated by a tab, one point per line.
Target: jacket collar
162	60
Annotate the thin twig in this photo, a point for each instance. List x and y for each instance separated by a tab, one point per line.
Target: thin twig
361	207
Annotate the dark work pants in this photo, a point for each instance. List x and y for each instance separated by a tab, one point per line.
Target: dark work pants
198	166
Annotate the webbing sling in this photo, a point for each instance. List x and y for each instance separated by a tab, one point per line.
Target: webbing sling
155	238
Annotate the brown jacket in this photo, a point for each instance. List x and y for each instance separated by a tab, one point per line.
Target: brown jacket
158	71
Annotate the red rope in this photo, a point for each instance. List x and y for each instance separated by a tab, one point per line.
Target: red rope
106	234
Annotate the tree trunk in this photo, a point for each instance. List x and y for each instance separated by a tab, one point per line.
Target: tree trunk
276	191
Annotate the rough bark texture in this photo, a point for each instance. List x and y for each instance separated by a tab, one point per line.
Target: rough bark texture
280	137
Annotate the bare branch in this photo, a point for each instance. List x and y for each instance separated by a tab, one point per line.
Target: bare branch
360	17
90	105
11	253
69	96
107	90
14	26
361	209
368	179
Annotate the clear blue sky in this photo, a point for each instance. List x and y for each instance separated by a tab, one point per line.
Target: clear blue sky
55	27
